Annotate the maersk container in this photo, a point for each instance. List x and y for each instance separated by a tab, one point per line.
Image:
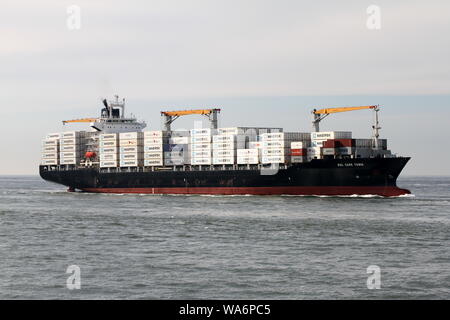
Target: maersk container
223	153
49	149
131	149
223	160
275	152
273	159
49	162
71	141
153	148
201	161
52	142
273	144
108	144
131	156
131	163
73	134
131	142
317	143
298	159
64	155
109	156
326	135
109	164
201	147
153	155
248	160
247	152
50	155
52	136
328	151
298	145
200	139
108	136
224	146
151	141
223	139
200	154
202	132
153	162
176	162
70	148
131	136
109	150
153	134
69	161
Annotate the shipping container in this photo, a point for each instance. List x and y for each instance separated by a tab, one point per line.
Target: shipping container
224	145
153	148
299	152
322	136
201	161
71	141
109	136
153	162
49	162
176	162
51	142
202	132
53	136
72	134
201	147
153	134
314	151
201	154
109	156
273	144
179	140
223	160
149	141
109	150
69	155
275	152
223	153
298	159
107	144
49	149
328	151
70	161
247	152
255	145
200	139
109	164
71	148
131	142
50	155
248	160
131	163
131	136
131	149
153	155
224	139
131	156
273	159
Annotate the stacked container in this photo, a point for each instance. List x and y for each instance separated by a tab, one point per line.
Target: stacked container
224	149
317	150
248	156
276	146
50	149
131	149
299	151
72	146
201	147
153	148
177	151
109	150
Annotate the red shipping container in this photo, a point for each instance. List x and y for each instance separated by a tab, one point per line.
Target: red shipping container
331	143
298	152
345	143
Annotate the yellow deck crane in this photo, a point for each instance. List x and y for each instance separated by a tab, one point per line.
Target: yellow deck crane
80	120
319	115
171	116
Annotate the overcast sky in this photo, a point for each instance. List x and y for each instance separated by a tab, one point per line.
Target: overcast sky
262	62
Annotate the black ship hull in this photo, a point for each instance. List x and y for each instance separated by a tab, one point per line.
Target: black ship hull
333	177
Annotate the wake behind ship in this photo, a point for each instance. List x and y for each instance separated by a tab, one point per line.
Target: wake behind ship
117	156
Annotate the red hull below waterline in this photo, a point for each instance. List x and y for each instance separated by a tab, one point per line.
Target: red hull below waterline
388	191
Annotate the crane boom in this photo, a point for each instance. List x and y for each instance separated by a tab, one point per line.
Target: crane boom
80	120
343	109
171	116
188	112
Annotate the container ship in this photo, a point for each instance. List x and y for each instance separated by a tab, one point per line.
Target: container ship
117	155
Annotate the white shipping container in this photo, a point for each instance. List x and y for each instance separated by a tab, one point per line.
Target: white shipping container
276	152
70	141
272	136
328	151
176	162
109	164
70	161
109	136
49	149
273	159
153	155
200	139
224	145
201	161
153	148
227	138
131	156
131	149
131	142
255	145
331	135
179	140
273	144
224	153
201	132
200	154
224	160
109	156
317	143
52	136
114	150
248	160
298	145
72	134
247	152
50	155
201	147
131	135
298	159
49	162
106	144
153	162
69	155
153	134
70	148
131	163
152	141
51	142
